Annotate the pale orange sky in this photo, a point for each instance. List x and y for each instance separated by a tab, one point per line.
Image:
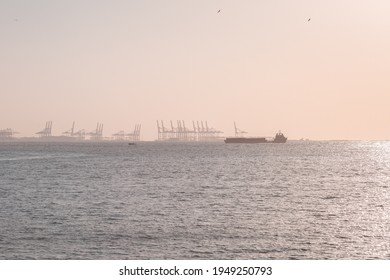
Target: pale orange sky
259	63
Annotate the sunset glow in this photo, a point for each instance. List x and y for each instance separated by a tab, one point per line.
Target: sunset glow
263	64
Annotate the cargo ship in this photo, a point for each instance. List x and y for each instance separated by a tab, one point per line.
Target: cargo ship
279	138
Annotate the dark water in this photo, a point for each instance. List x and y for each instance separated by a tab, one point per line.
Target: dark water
302	200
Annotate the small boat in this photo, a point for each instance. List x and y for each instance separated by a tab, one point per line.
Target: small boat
131	143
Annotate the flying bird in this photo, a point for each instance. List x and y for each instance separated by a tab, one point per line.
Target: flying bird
218	11
309	19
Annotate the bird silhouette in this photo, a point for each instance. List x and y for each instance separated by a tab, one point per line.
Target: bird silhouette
218	11
309	19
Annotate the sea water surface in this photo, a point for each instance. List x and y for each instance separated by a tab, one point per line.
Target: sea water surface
153	200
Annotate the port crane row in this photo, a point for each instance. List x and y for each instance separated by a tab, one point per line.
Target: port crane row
176	131
97	134
200	132
7	133
81	134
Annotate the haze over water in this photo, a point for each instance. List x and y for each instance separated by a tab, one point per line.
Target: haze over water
299	200
260	63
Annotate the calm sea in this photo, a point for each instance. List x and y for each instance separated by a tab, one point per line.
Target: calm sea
299	200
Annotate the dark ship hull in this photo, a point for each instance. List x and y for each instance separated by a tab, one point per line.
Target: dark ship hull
279	138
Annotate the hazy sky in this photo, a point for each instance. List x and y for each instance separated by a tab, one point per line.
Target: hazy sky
260	63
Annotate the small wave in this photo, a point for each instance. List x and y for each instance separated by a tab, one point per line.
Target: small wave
23	158
330	197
